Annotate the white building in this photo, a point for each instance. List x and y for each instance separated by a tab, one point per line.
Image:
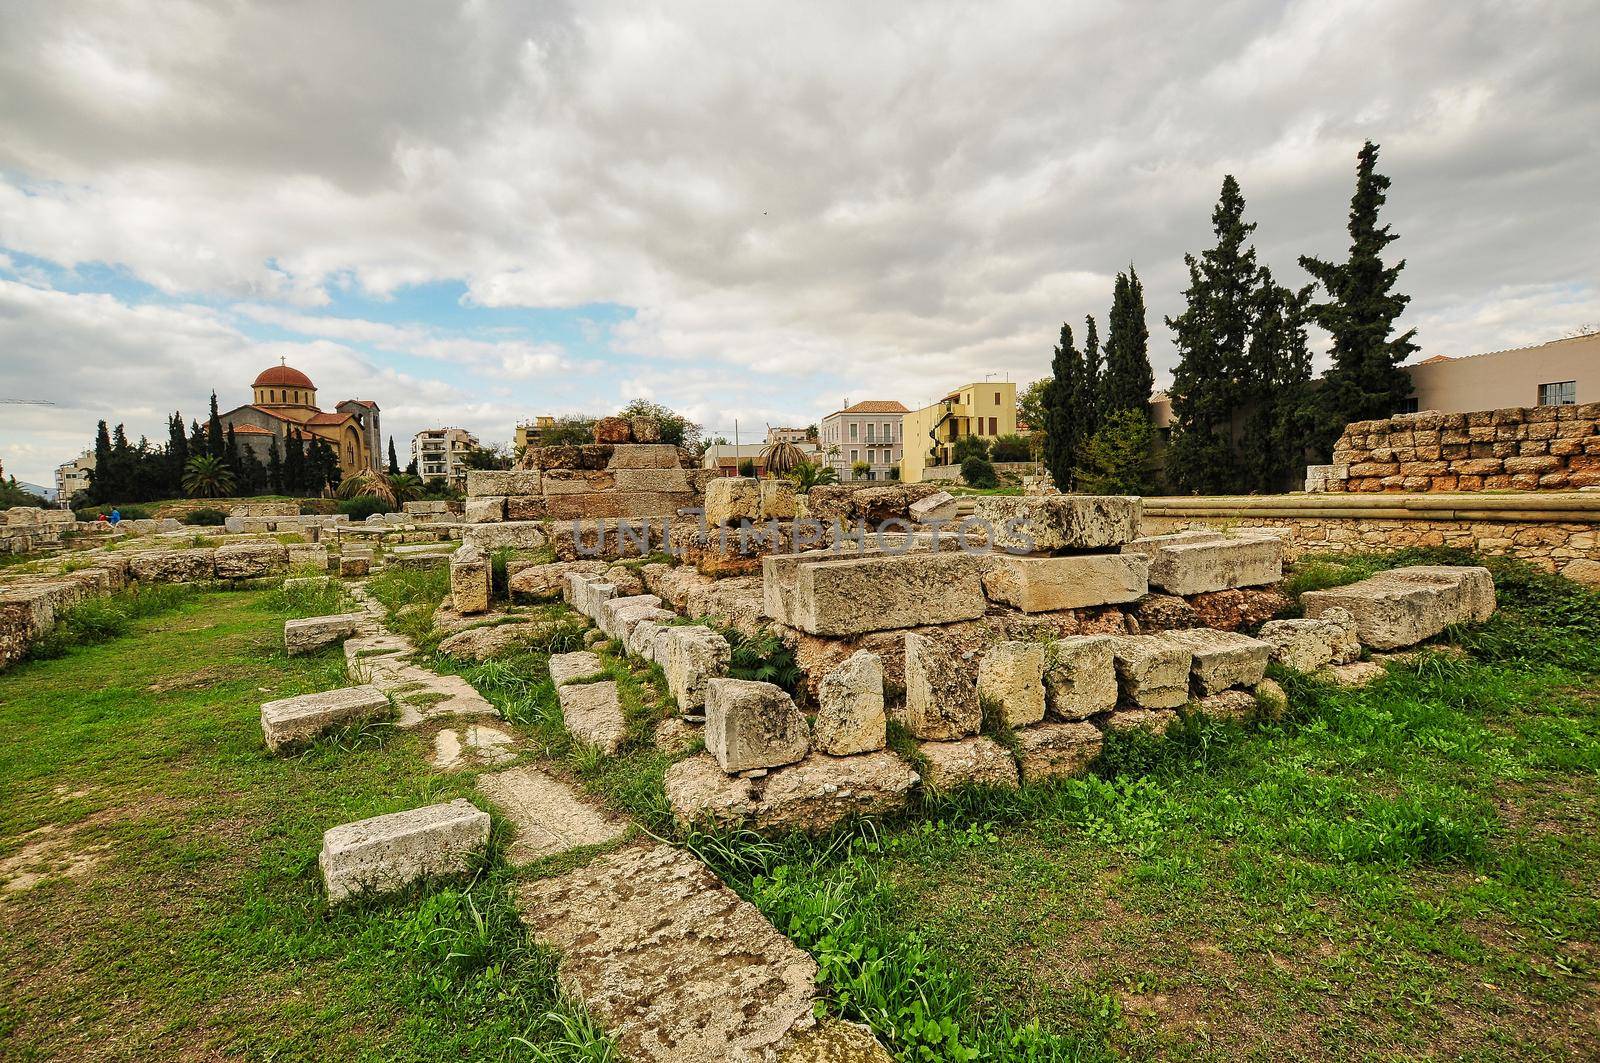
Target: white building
74	476
440	454
866	433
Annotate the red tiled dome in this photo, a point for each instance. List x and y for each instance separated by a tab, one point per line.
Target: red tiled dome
283	376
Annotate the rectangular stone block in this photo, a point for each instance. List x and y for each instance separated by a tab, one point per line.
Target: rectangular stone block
490	509
753	725
578	481
519	535
1404	606
503	482
1032	523
655	481
294	721
887	591
690	656
1152	670
470	579
1198	567
527	507
570	667
607	613
1080	676
308	556
1044	584
592	713
1011	678
1223	659
645	456
941	698
1057	750
173	566
251	560
388	853
314	632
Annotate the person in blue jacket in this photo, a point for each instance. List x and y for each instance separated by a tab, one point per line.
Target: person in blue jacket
116	516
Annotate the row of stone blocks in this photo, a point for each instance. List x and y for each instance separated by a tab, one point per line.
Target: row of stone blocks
582	482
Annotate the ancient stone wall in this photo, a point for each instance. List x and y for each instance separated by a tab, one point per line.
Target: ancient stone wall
1542	448
595	480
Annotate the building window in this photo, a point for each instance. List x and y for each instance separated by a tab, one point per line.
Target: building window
872	432
994	429
997	398
888	432
1408	405
1562	393
853	427
855	455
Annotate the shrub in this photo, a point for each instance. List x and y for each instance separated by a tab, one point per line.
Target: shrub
1011	448
970	447
206	517
363	506
979	473
1119	459
747	467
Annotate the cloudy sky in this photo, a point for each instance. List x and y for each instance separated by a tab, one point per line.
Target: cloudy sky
475	212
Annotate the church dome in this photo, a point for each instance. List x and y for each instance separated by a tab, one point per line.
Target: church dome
283	376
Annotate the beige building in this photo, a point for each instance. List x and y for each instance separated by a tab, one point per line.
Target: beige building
440	454
1558	373
987	410
787	435
529	433
868	432
74	477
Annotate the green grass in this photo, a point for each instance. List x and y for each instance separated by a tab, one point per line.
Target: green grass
198	927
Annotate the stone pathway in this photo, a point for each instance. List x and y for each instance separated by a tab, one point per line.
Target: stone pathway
548	814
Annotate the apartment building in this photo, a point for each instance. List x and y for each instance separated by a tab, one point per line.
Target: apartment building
440	454
529	433
987	410
787	435
1559	373
867	432
73	476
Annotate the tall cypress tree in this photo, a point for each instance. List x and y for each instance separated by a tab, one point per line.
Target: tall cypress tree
1064	401
1091	376
102	480
1365	381
197	439
1128	379
1273	450
177	454
233	450
394	463
274	468
214	442
294	465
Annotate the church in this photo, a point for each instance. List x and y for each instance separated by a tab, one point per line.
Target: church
285	407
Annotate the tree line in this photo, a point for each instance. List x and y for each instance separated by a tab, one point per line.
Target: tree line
1246	414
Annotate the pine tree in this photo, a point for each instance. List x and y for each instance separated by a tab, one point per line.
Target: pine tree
102	478
1063	430
214	442
1365	381
177	454
1128	379
394	464
274	468
1092	372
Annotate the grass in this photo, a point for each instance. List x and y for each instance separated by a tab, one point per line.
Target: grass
184	914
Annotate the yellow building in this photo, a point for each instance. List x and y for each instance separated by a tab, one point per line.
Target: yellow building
528	433
929	435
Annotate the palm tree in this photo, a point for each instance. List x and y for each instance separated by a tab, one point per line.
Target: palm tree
406	487
809	474
368	482
206	476
781	457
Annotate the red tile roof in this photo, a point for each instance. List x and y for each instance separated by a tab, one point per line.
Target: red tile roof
876	406
250	430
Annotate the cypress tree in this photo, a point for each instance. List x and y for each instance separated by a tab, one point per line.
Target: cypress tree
197	439
294	465
214	442
394	464
1091	377
233	449
1064	402
177	454
102	478
1272	453
274	468
1365	381
1128	379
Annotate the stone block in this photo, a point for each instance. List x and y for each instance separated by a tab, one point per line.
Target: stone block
548	816
1309	644
941	505
354	565
470	579
592	713
1011	677
518	535
294	721
657	481
313	633
1235	705
1200	566
850	713
1080	676
490	510
527	507
753	725
1223	659
1029	523
820	792
700	792
690	656
644	429
1156	721
612	616
251	560
645	456
851	596
941	698
570	667
613	430
1404	606
544	581
388	853
1152	670
483	483
1054	750
1045	584
979	761
173	566
308	556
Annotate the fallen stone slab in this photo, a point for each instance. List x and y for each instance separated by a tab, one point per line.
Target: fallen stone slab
1308	644
752	725
570	667
851	596
1011	679
1081	581
592	713
315	632
1404	606
673	964
478	744
1354	674
289	722
1236	705
941	505
173	566
1153	670
1033	523
941	698
388	853
492	640
545	581
616	613
979	761
700	792
548	815
1193	565
1080	676
422	696
820	792
1223	659
1055	750
850	707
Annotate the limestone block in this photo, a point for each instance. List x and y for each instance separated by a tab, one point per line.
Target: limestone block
493	640
1583	571
586	456
313	633
292	721
1043	584
1053	750
941	505
731	499
641	641
518	535
1223	659
489	510
850	714
1404	606
570	667
354	565
1156	721
1236	705
527	507
1198	567
578	481
941	698
308	556
852	596
387	853
1153	670
545	581
626	619
753	725
610	618
979	761
173	566
470	579
645	456
1308	644
593	714
1029	523
644	429
613	430
547	814
820	792
484	483
659	481
693	655
699	791
251	560
1011	677
1080	676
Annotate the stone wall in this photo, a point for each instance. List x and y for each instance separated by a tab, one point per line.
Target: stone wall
595	480
1542	448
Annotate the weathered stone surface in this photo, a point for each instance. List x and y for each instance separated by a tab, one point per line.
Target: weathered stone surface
882	592
1080	676
833	1041
518	535
1044	584
1153	670
1237	705
490	510
1404	606
354	566
1053	750
1156	721
470	579
850	714
250	560
541	582
304	556
613	430
1583	571
641	642
1308	644
527	507
753	725
585	456
493	640
173	566
672	964
644	456
1029	523
820	792
1356	673
699	791
674	736
313	633
1011	676
293	721
941	505
1223	659
593	714
690	656
491	483
644	429
482	745
548	814
1195	566
731	499
618	615
387	853
1271	699
941	698
870	504
979	761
